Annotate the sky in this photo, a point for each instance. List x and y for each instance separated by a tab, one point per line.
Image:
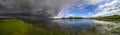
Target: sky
33	8
92	8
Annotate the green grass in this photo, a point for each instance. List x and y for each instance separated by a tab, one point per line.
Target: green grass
13	27
113	18
19	27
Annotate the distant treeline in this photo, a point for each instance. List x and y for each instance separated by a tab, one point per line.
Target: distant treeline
73	18
110	18
106	18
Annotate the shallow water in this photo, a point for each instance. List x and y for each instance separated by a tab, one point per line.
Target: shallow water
76	26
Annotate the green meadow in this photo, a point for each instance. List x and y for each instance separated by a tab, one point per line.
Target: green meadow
19	27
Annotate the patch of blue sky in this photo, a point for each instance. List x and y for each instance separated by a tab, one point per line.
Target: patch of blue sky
87	10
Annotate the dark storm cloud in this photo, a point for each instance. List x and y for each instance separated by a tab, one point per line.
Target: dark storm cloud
33	8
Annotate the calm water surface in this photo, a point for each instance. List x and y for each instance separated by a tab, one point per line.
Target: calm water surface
77	26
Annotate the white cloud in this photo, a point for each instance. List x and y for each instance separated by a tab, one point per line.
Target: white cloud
81	7
105	11
107	8
70	15
89	13
108	4
94	1
83	3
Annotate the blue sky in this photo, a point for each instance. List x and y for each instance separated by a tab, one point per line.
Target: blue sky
92	8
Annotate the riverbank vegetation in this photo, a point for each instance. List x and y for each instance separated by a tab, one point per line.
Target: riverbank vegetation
114	27
115	18
73	18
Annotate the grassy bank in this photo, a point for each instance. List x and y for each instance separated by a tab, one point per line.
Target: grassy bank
13	27
19	27
114	27
114	18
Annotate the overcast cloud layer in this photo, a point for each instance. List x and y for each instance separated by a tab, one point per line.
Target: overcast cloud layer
33	8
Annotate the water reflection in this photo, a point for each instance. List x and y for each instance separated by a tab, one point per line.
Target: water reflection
76	26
